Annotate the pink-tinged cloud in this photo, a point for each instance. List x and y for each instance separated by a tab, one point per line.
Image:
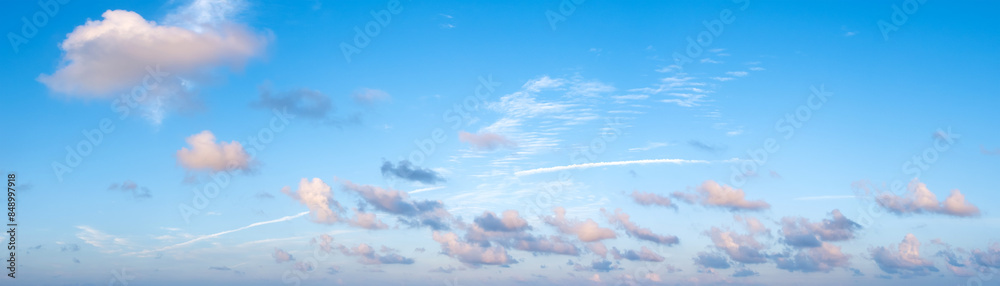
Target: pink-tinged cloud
649	199
316	196
206	154
586	231
823	258
622	220
469	253
905	260
918	199
799	232
486	141
713	194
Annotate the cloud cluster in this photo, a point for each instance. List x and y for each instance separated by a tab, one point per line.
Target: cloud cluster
644	254
419	213
711	260
472	254
511	231
486	141
407	171
206	154
622	220
367	255
799	232
918	199
822	258
905	261
743	248
713	194
586	231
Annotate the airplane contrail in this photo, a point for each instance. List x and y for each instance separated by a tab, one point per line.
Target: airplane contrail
204	237
615	163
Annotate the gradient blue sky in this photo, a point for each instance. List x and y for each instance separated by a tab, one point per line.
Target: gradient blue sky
603	80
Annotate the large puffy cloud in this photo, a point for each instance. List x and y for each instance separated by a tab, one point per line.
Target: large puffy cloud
623	221
112	55
367	255
644	254
742	248
905	261
822	258
799	232
648	199
713	194
485	141
206	154
406	171
472	254
586	231
918	199
420	213
316	195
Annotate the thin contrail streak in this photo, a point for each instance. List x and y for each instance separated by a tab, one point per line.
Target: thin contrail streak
204	237
616	163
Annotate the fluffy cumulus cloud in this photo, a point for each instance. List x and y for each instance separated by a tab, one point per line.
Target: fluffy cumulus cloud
799	232
471	253
316	195
551	244
622	220
485	141
366	220
822	258
918	199
989	257
713	194
206	154
743	248
905	260
644	254
154	62
649	199
418	213
407	171
367	255
511	221
586	231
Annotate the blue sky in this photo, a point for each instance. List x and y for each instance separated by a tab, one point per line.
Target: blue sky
545	143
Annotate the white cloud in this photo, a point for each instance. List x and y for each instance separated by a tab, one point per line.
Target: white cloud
918	199
317	197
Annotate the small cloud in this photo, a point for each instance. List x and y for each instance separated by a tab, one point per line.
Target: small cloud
206	154
738	73
368	96
281	256
407	171
486	141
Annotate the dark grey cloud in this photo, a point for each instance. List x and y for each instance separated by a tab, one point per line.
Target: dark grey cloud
407	171
415	212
